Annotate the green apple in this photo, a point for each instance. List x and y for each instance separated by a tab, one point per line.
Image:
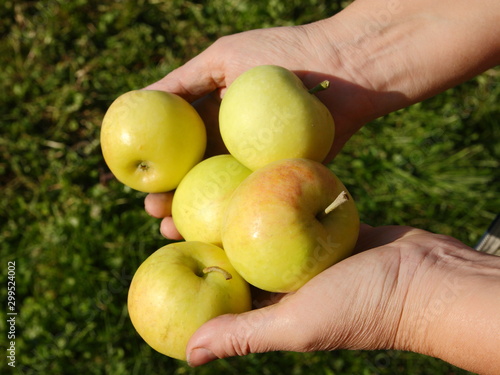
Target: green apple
151	139
201	198
180	287
268	114
287	222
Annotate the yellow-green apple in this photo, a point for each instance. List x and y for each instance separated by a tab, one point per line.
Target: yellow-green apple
178	288
201	198
151	139
268	114
287	222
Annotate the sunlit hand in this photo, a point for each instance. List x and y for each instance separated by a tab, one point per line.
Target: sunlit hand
380	298
303	49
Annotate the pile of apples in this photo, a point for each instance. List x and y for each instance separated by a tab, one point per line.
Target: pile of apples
269	213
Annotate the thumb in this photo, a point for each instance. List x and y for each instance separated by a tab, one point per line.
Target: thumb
257	331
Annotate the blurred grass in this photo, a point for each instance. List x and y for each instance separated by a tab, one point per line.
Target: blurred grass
77	236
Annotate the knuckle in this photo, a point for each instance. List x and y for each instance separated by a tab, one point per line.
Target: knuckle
237	343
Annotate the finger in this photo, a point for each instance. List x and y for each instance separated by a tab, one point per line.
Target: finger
168	229
256	331
159	205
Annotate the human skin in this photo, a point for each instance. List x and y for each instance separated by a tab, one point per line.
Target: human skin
379	55
413	290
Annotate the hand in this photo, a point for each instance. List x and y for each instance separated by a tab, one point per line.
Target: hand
295	48
384	297
372	52
355	304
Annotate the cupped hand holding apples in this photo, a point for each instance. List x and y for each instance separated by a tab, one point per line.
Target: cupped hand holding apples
281	216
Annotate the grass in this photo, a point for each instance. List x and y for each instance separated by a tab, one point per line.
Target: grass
77	236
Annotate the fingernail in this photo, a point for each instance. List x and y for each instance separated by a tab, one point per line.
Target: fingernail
200	356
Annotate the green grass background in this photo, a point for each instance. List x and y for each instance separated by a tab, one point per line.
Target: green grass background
77	236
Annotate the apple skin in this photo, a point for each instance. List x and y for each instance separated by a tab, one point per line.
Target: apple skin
267	114
151	139
170	296
273	233
201	198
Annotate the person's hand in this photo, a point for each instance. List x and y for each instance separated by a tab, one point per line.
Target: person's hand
305	50
373	53
411	290
159	205
355	304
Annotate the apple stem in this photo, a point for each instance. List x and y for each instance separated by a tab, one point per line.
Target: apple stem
341	199
320	87
226	274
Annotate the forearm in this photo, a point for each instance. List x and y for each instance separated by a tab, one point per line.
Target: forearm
469	337
388	54
453	311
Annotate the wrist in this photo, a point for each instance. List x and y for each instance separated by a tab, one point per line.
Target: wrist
386	55
451	309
